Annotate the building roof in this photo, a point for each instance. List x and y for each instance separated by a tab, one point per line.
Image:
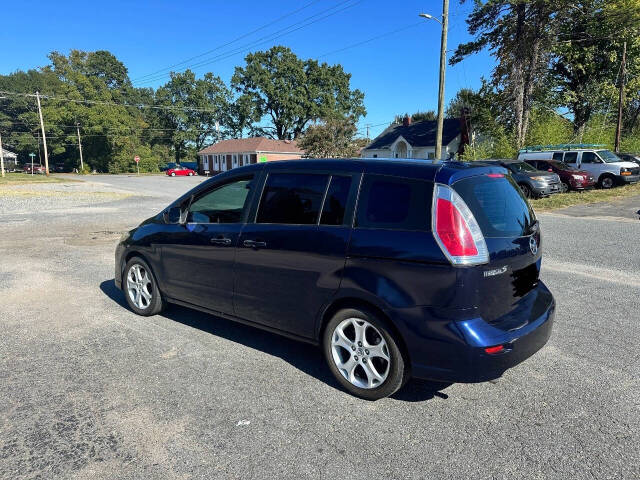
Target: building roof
253	144
418	134
8	154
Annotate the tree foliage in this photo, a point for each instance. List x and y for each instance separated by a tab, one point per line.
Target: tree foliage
292	92
118	121
332	138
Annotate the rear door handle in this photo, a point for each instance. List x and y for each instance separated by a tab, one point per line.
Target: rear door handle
221	241
254	244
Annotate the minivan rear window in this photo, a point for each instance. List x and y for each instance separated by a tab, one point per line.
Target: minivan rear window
497	204
394	203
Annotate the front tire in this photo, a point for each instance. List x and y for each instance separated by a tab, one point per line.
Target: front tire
173	174
141	289
363	354
606	181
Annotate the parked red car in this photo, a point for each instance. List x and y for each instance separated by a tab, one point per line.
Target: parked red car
571	178
29	167
180	170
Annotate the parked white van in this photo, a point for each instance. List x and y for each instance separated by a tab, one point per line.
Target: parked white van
604	165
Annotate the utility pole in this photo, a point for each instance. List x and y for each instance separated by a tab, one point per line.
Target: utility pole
621	98
443	66
44	137
80	147
368	125
1	156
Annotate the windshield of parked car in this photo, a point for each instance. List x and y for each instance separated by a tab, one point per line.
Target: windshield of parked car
608	156
521	167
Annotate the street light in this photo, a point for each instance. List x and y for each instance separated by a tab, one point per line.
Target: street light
430	17
443	65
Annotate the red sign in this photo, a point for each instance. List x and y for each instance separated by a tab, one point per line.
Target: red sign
136	158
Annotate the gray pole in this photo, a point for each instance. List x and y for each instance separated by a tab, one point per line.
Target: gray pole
44	137
1	156
80	147
621	99
443	66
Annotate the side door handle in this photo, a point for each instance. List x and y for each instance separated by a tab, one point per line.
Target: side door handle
221	241
254	244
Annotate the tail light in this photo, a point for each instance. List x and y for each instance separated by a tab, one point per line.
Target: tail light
456	229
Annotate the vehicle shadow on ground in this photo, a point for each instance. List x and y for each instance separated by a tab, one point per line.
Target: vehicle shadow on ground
307	358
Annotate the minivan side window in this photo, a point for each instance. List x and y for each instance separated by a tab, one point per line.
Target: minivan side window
570	157
335	203
557	156
225	204
394	203
292	198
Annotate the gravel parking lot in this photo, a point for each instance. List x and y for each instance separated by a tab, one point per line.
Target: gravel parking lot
90	390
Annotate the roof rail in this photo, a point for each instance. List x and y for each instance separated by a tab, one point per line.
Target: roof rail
560	146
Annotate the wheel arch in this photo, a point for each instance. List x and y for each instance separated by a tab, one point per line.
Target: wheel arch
356	302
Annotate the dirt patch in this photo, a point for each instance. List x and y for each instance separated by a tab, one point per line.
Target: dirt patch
88	239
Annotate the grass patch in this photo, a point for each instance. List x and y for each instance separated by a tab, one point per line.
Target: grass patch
23	178
561	200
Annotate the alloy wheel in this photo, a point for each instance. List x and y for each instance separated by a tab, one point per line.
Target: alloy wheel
360	353
139	286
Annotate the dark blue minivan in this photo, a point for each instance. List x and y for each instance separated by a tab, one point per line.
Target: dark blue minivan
397	268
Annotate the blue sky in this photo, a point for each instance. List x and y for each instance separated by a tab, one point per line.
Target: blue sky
398	73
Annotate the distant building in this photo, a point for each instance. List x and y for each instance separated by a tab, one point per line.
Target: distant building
10	160
228	154
418	139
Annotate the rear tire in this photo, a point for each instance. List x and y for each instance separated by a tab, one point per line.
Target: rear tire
141	288
606	181
363	354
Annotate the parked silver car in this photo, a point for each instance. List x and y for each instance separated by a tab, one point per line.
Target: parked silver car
607	168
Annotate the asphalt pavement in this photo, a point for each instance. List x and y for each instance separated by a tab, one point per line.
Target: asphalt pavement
89	390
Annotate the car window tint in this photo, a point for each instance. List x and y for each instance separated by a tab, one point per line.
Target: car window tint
225	204
570	157
394	203
497	205
292	198
557	155
335	203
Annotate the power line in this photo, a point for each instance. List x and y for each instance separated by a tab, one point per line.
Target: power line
114	104
406	27
250	46
226	44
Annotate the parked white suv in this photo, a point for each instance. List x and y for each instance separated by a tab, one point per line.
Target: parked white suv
606	167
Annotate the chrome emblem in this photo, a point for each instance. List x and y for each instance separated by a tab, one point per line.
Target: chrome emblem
533	245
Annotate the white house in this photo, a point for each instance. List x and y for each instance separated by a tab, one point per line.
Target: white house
417	140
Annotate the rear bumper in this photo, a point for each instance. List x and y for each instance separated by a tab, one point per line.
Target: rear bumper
450	350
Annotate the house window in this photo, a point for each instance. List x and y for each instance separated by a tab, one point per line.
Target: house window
375	155
235	160
215	162
431	155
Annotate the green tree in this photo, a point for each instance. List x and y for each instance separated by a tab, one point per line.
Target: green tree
417	117
519	35
332	138
196	111
587	56
292	92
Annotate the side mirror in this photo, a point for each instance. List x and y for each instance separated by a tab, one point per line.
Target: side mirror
173	215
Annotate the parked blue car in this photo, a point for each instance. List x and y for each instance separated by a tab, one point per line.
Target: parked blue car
396	268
